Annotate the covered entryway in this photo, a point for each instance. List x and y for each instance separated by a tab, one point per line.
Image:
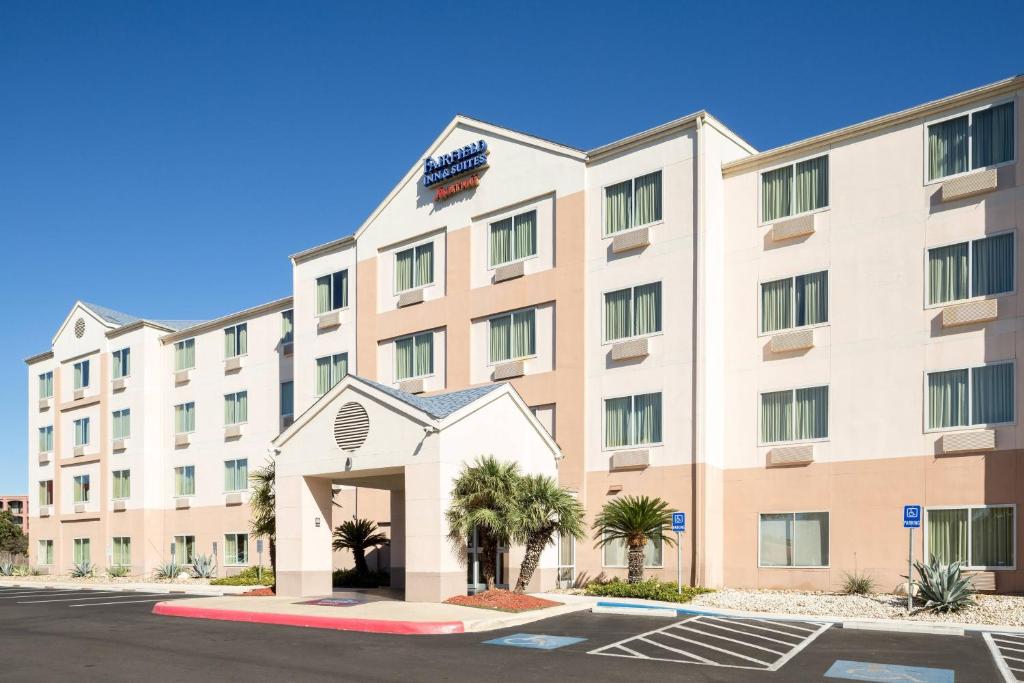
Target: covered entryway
366	434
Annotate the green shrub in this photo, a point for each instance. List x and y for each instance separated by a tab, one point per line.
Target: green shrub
117	571
858	584
82	570
350	578
250	576
943	586
6	569
649	589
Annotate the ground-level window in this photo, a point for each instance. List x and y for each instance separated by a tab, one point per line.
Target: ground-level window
632	420
566	561
414	356
184	549
979	536
616	554
236	549
794	415
329	371
185	481
45	552
968	269
793	539
122	551
82	553
971	396
236	475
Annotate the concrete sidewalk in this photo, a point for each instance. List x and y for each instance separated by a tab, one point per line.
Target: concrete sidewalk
135	586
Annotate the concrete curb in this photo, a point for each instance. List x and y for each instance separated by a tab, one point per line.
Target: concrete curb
500	620
647	611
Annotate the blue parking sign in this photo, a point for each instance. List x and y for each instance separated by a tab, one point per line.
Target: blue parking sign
911	516
678	522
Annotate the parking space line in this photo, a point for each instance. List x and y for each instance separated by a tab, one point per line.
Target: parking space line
119	602
715	647
788	625
682	652
731	640
751	635
104	595
996	645
737	622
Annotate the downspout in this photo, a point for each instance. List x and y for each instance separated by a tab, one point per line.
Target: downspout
699	487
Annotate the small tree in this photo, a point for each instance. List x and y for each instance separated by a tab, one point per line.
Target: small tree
633	520
262	506
542	509
12	540
357	535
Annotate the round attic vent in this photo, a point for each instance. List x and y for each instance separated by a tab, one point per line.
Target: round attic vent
79	328
351	426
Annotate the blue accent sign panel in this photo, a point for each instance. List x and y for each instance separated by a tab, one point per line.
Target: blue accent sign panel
534	641
911	516
889	673
678	521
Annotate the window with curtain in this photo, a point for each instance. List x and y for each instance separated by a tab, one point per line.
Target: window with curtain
81	551
184	355
632	203
185	481
82	432
46	439
81	370
980	537
794	415
794	189
287	327
972	141
236	340
81	488
414	267
632	312
122	551
287	399
184	549
329	371
794	302
46	492
793	539
236	408
236	475
414	356
616	554
332	292
632	420
981	395
185	418
121	361
122	480
45	552
236	549
122	423
981	267
512	336
513	239
46	385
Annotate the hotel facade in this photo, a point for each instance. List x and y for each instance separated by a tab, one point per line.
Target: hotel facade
789	346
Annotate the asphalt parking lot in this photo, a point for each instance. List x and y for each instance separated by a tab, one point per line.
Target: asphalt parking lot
111	636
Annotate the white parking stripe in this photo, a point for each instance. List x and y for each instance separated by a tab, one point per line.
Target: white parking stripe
120	602
731	640
788	625
736	622
102	595
15	596
633	652
750	635
715	647
682	652
1000	658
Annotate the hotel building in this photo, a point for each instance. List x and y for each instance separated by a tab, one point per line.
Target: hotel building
788	345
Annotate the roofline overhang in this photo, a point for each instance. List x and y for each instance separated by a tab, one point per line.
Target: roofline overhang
666	129
39	357
322	249
282	304
137	325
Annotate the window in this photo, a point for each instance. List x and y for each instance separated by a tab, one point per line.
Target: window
122	423
184	355
616	554
794	302
81	483
514	238
989	401
184	481
969	269
632	420
82	432
45	553
971	141
122	551
513	336
122	484
46	492
414	356
981	536
236	408
235	340
632	312
632	203
782	197
329	371
122	363
46	439
332	292
46	385
793	539
566	561
414	267
287	399
794	415
82	553
185	418
287	327
236	475
184	550
81	369
236	549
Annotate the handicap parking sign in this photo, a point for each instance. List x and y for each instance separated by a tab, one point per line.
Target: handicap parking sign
535	641
678	521
911	516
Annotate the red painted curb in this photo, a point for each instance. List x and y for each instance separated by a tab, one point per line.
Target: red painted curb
409	628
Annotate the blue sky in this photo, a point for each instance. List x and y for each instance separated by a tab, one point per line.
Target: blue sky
130	132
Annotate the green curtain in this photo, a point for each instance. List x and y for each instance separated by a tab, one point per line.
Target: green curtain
992	137
44	494
617	315
647	309
777	305
184	549
404	358
992	394
525	234
82	553
185	354
647	199
122	423
243	339
524	338
122	551
501	339
992	270
82	374
236	475
812	184
776	194
121	363
947	535
46	385
45	439
947	399
811	298
812	413
82	488
776	546
82	432
992	537
323	375
188	481
501	242
403	270
340	369
617	207
947	273
287	398
810	539
229	342
323	294
424	354
231	549
647	417
287	326
424	264
617	421
947	148
777	416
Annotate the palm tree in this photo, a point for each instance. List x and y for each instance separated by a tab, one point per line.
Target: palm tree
482	497
633	520
262	508
542	509
357	535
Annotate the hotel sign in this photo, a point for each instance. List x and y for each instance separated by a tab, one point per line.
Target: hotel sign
448	167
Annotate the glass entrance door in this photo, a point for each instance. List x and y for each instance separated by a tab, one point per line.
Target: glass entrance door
474	567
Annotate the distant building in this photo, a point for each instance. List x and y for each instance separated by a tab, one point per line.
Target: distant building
18	506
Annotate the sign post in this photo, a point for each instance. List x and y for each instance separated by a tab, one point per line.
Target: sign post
911	521
259	552
679	526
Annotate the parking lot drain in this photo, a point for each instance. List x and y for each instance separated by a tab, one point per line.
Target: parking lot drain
889	673
534	641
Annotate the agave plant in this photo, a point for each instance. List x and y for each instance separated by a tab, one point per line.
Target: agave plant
169	570
83	569
117	570
204	566
6	569
943	586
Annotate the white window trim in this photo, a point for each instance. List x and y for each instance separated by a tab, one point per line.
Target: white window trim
970	269
48	428
43	481
969	113
433	361
794	513
112	356
88	431
41	376
279	385
82	363
195	487
333	383
632	297
235	327
182	343
112	478
234	395
792	198
609	449
792	308
113	540
86	491
632	204
236	563
490	363
114	414
793	391
174	412
50	546
246	487
970	399
504	217
348	294
394	265
981	568
626	566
